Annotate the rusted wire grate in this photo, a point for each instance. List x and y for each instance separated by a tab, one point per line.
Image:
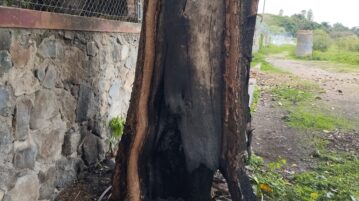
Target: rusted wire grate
123	10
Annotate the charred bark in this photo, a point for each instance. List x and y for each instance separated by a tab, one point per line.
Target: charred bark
189	106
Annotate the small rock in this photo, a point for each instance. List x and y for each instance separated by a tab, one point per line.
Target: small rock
92	49
5	39
25	158
340	91
23	108
5	62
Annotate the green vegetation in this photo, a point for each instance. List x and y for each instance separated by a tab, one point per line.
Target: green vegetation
256	97
259	58
335	177
322	40
299	99
311	118
290	24
336	56
117	126
335	43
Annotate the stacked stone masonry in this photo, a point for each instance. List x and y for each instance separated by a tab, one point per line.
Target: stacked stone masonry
58	91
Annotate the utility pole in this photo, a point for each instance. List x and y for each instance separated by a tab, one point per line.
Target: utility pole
264	6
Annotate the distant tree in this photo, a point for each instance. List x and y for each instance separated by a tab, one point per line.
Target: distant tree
339	27
326	26
355	30
281	12
310	15
303	13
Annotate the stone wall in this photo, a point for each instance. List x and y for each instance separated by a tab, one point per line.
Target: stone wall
58	91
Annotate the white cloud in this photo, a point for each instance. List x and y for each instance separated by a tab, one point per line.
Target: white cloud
344	11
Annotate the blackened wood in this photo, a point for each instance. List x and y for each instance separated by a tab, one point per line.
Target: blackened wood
189	109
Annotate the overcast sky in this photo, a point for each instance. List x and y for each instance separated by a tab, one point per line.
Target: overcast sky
332	11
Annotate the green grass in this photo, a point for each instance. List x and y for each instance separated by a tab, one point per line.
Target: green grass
259	58
343	57
311	118
256	97
277	49
334	178
299	99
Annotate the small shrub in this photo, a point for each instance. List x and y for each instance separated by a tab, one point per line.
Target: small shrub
117	126
322	40
348	43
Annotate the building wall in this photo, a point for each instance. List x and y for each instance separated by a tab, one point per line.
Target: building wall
58	91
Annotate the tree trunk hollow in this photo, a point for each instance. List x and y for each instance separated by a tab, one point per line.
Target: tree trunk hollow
189	107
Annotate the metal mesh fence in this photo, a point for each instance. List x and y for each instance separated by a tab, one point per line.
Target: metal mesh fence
123	10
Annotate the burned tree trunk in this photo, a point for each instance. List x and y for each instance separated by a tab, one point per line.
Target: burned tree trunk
189	107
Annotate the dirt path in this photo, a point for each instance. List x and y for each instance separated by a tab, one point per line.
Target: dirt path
273	139
341	89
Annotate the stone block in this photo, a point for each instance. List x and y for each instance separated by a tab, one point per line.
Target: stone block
2	194
49	144
5	138
71	142
5	39
23	82
45	107
69	35
61	175
116	53
50	77
125	51
23	108
92	148
92	49
26	189
6	198
86	107
132	59
25	158
50	48
4	100
68	107
22	56
8	177
40	74
5	62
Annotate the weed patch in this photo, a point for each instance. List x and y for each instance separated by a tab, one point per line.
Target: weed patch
256	97
335	177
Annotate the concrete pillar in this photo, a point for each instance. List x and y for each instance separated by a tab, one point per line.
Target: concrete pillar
304	43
